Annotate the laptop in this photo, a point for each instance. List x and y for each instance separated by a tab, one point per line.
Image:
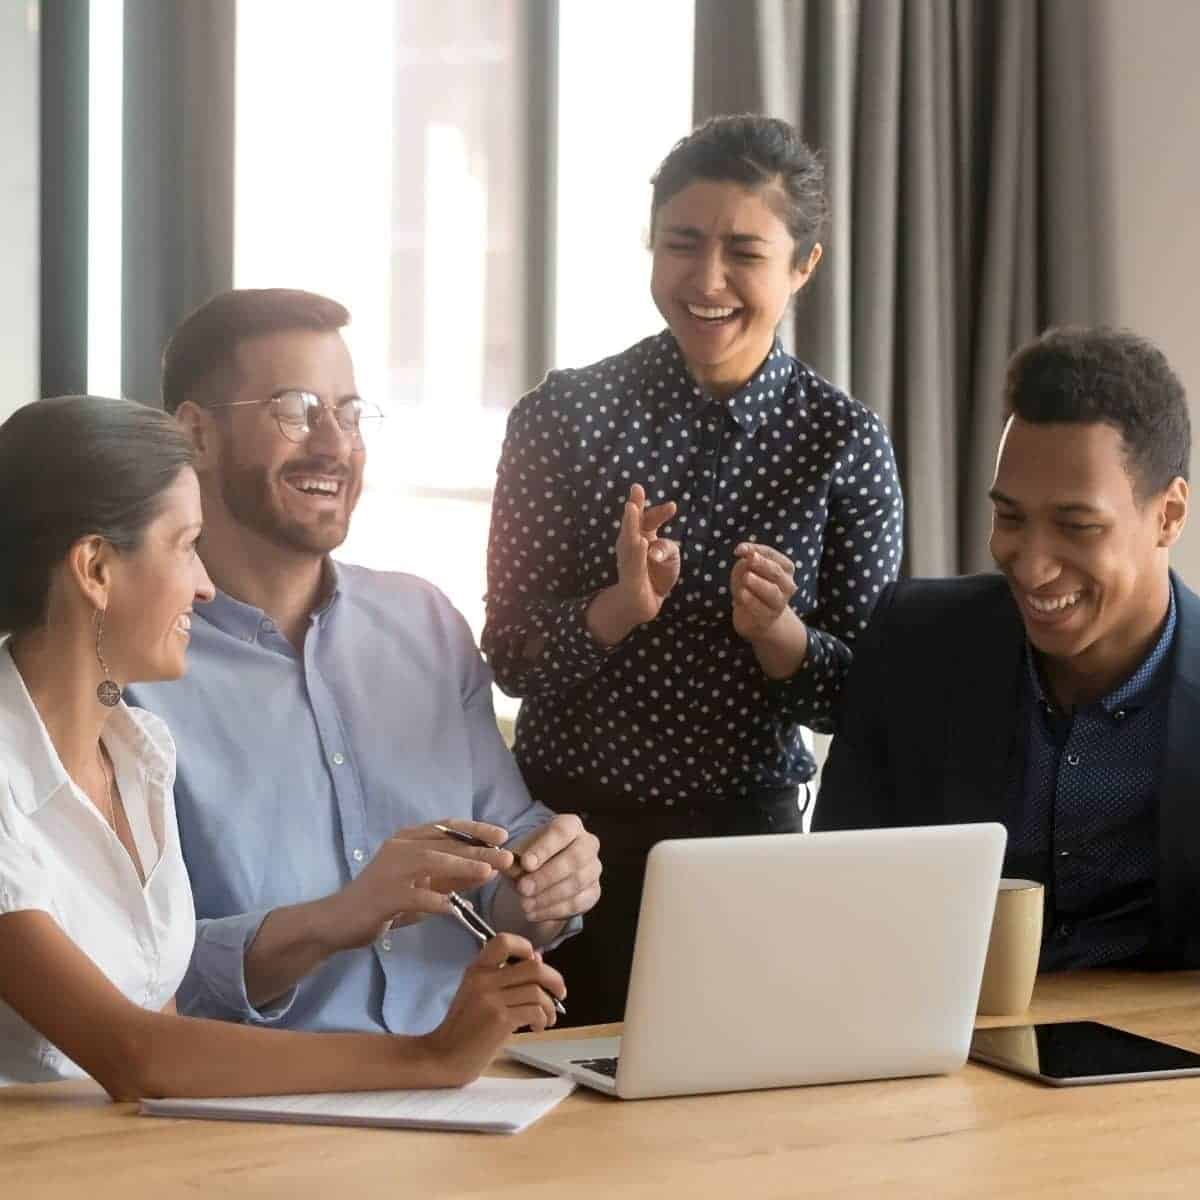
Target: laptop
801	958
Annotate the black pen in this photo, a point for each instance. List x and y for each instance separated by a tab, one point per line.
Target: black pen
471	840
465	912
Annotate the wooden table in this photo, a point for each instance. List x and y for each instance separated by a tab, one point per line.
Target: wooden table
979	1133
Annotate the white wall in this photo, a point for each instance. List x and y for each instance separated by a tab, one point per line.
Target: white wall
1149	113
18	204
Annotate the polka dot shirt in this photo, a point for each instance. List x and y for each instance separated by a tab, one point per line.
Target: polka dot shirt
681	711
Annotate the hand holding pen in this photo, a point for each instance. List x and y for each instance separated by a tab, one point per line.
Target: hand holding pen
407	879
492	1003
555	870
464	911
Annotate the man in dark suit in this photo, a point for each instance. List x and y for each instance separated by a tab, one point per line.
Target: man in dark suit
1062	695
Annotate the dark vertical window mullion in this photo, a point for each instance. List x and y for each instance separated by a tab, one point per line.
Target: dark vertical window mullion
64	196
177	220
541	185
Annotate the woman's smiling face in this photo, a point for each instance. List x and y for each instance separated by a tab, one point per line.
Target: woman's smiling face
723	275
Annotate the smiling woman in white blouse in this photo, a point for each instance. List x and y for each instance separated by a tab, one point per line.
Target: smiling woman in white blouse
99	519
686	540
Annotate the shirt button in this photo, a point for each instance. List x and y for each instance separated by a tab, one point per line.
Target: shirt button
337	758
359	856
1073	759
386	944
268	626
1064	854
1064	930
1119	715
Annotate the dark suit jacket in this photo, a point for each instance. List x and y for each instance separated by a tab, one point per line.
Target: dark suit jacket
929	721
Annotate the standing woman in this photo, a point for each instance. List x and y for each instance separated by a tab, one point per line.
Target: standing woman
99	518
686	539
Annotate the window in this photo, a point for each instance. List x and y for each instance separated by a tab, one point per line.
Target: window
106	31
625	98
380	160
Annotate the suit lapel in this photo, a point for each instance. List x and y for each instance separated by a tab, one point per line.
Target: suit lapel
1179	793
982	723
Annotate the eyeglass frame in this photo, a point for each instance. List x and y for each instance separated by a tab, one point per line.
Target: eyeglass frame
355	434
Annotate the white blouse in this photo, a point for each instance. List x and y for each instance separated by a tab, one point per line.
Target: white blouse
58	854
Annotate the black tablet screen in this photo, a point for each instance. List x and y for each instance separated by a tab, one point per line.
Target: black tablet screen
1079	1050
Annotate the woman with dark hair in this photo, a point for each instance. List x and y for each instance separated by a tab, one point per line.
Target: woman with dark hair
686	539
99	519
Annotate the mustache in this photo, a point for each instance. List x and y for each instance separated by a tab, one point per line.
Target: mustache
330	468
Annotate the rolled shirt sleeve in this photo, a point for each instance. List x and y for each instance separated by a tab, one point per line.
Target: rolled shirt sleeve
215	985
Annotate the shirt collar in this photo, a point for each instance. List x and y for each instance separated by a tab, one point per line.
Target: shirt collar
28	755
1135	691
668	381
243	621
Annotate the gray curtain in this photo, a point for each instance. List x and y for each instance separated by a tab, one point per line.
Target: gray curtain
177	224
961	174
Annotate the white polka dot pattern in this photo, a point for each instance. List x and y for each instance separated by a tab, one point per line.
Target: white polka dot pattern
681	709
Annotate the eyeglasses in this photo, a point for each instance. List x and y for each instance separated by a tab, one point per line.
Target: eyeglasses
298	413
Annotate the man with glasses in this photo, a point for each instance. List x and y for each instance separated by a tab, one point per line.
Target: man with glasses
332	717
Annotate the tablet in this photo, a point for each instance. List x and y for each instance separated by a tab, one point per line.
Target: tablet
1075	1052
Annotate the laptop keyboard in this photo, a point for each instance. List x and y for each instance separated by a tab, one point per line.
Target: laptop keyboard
602	1066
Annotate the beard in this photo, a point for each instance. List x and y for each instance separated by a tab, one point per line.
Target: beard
246	491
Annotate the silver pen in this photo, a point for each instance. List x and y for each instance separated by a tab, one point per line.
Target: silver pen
464	912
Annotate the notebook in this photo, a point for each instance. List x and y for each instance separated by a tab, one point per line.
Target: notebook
486	1106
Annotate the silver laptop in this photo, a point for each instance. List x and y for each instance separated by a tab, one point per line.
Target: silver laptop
795	959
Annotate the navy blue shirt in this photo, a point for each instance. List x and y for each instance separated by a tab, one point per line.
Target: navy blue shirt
1087	812
681	710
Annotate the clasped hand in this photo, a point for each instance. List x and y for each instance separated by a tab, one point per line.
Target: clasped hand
414	871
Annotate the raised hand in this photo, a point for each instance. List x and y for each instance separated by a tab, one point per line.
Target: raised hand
762	585
647	570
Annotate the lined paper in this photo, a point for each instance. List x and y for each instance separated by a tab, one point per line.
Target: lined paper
485	1106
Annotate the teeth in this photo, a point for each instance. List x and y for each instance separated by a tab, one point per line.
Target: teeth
320	487
1052	604
709	314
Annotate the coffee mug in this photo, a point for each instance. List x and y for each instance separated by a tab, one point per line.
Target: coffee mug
1013	949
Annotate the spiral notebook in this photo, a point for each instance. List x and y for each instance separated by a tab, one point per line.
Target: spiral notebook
486	1106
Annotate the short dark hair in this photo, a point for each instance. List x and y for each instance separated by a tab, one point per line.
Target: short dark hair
755	151
72	467
1078	375
207	340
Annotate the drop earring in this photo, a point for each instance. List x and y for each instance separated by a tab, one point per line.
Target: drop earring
108	692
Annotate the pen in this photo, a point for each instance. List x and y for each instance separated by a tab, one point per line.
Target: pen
464	912
471	840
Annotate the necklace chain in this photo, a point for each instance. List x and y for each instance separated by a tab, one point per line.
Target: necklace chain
111	815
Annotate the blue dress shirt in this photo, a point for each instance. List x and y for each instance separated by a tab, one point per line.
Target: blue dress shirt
294	768
1088	817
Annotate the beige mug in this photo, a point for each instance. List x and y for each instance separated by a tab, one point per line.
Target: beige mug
1013	949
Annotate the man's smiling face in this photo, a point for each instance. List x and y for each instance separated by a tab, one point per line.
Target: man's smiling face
295	494
1082	552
